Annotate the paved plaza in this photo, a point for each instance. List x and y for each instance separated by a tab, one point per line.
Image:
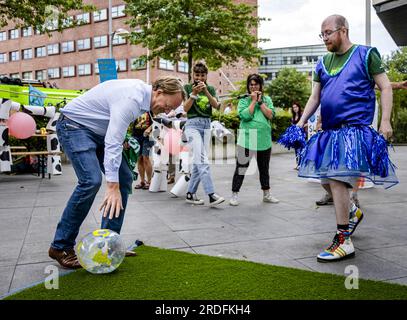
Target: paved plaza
290	233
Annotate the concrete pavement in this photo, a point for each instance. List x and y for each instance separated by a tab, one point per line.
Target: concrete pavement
290	233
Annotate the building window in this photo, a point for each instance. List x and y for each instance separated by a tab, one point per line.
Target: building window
85	69
312	59
14	56
83	18
3	36
83	44
3	57
296	60
100	41
166	65
51	25
118	11
40	52
100	15
53	73
28	75
68	71
121	65
27	32
14	34
137	64
27	54
67	22
286	60
182	66
96	67
14	75
41	75
53	49
264	61
68	46
118	40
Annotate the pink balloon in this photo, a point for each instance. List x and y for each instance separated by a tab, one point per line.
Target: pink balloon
21	125
172	141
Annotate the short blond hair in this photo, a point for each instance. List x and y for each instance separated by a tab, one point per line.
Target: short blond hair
169	85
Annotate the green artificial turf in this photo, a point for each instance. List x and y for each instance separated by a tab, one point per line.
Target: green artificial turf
165	274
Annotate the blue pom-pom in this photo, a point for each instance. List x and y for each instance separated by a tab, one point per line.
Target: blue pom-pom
380	157
293	137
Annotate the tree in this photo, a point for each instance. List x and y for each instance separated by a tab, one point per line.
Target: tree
37	13
218	31
289	86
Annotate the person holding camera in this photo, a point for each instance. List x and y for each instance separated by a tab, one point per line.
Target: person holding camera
201	99
256	111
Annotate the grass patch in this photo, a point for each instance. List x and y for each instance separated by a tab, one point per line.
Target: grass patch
158	274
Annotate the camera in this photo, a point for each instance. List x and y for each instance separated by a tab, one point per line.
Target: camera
196	82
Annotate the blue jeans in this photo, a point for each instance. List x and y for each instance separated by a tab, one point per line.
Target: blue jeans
85	149
198	132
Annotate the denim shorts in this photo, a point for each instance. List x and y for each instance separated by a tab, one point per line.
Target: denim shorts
145	145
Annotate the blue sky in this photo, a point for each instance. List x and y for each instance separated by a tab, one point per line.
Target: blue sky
298	22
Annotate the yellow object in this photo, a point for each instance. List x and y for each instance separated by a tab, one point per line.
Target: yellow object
43	131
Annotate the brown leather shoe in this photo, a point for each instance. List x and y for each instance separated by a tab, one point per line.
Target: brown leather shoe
130	253
66	258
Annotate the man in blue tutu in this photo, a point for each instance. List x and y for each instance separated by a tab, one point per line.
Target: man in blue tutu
348	147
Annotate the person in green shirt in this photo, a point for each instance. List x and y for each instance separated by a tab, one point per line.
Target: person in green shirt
201	99
254	138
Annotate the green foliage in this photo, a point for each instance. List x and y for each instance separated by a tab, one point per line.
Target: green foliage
280	123
39	12
184	30
289	86
400	130
231	120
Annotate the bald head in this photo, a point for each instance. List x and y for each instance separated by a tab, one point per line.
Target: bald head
337	21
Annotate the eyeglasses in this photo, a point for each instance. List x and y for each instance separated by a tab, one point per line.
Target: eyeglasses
328	33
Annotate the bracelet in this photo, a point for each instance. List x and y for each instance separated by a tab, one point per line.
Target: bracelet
193	97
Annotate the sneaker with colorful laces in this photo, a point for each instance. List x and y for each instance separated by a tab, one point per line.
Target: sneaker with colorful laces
355	217
341	248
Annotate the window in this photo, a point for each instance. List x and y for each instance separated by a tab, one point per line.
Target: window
83	44
100	41
84	69
118	40
83	18
3	36
14	34
40	52
137	64
14	56
3	57
264	61
27	54
27	32
41	74
68	46
14	75
68	71
100	15
296	60
166	65
28	75
53	73
121	65
286	60
67	22
311	59
182	66
96	68
118	11
53	49
51	24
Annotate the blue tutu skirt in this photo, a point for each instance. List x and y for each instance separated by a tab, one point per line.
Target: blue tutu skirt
351	151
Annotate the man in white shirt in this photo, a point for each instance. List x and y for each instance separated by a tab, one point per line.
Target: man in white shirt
92	130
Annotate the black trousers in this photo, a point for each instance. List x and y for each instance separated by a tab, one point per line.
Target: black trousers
242	163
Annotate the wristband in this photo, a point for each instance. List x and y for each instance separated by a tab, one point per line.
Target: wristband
193	97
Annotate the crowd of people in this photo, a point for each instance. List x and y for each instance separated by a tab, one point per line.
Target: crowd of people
92	128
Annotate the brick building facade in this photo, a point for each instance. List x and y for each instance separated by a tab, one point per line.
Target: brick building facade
68	59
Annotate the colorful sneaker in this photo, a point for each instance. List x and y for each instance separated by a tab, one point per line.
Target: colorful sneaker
233	201
193	199
326	200
341	248
215	199
267	197
355	217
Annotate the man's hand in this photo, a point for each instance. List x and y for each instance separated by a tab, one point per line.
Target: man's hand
112	202
386	129
300	124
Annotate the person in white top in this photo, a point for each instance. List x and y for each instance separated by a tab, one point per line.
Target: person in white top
92	130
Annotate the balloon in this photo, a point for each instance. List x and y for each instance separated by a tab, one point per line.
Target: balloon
172	141
21	125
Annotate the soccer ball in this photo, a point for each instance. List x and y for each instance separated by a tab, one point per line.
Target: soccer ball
101	251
